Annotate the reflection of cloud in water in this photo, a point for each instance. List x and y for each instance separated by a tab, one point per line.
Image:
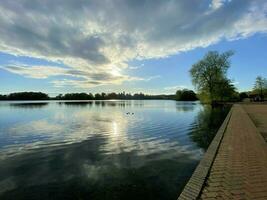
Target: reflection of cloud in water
35	127
99	152
85	161
120	131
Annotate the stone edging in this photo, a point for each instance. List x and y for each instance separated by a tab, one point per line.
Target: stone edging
195	184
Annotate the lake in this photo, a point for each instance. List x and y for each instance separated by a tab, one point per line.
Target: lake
121	149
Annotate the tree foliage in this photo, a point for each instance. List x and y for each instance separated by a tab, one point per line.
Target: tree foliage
186	95
108	96
243	95
225	91
260	86
82	96
209	76
25	96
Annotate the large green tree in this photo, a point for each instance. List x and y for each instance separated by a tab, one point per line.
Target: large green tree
260	86
209	75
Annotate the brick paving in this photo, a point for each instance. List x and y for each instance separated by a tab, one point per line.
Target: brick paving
239	170
258	114
194	186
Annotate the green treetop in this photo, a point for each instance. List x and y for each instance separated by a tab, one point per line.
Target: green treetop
209	76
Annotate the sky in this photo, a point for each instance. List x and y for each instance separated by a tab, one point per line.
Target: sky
144	46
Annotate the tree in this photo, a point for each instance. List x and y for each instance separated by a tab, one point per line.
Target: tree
243	95
98	96
225	90
103	95
209	74
260	86
186	95
59	97
27	96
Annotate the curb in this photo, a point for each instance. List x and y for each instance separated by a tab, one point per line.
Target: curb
193	188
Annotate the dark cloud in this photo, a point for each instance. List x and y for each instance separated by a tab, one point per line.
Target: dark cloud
93	37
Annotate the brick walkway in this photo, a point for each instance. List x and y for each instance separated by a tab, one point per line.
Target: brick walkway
258	114
239	170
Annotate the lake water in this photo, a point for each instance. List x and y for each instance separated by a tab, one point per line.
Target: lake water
101	150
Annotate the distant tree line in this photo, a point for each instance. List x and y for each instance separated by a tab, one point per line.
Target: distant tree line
25	96
109	96
82	96
181	95
209	76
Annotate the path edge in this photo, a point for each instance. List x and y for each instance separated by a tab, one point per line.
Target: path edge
194	186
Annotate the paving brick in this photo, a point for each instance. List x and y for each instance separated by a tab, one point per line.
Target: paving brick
239	170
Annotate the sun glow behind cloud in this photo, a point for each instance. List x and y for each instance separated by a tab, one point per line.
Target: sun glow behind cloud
95	40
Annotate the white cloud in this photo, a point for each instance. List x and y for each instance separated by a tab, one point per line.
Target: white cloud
94	83
136	67
151	78
87	79
215	4
235	83
96	39
39	72
176	87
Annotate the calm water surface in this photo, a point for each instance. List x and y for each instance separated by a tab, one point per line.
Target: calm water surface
102	149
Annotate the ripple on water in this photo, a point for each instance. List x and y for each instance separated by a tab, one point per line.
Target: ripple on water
95	150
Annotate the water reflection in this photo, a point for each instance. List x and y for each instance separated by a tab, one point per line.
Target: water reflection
29	105
82	170
74	103
111	103
206	124
186	106
67	151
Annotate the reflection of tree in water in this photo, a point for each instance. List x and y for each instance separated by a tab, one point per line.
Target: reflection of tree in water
29	105
117	103
76	103
206	125
185	106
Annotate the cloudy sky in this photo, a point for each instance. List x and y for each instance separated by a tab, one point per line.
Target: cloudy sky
126	45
